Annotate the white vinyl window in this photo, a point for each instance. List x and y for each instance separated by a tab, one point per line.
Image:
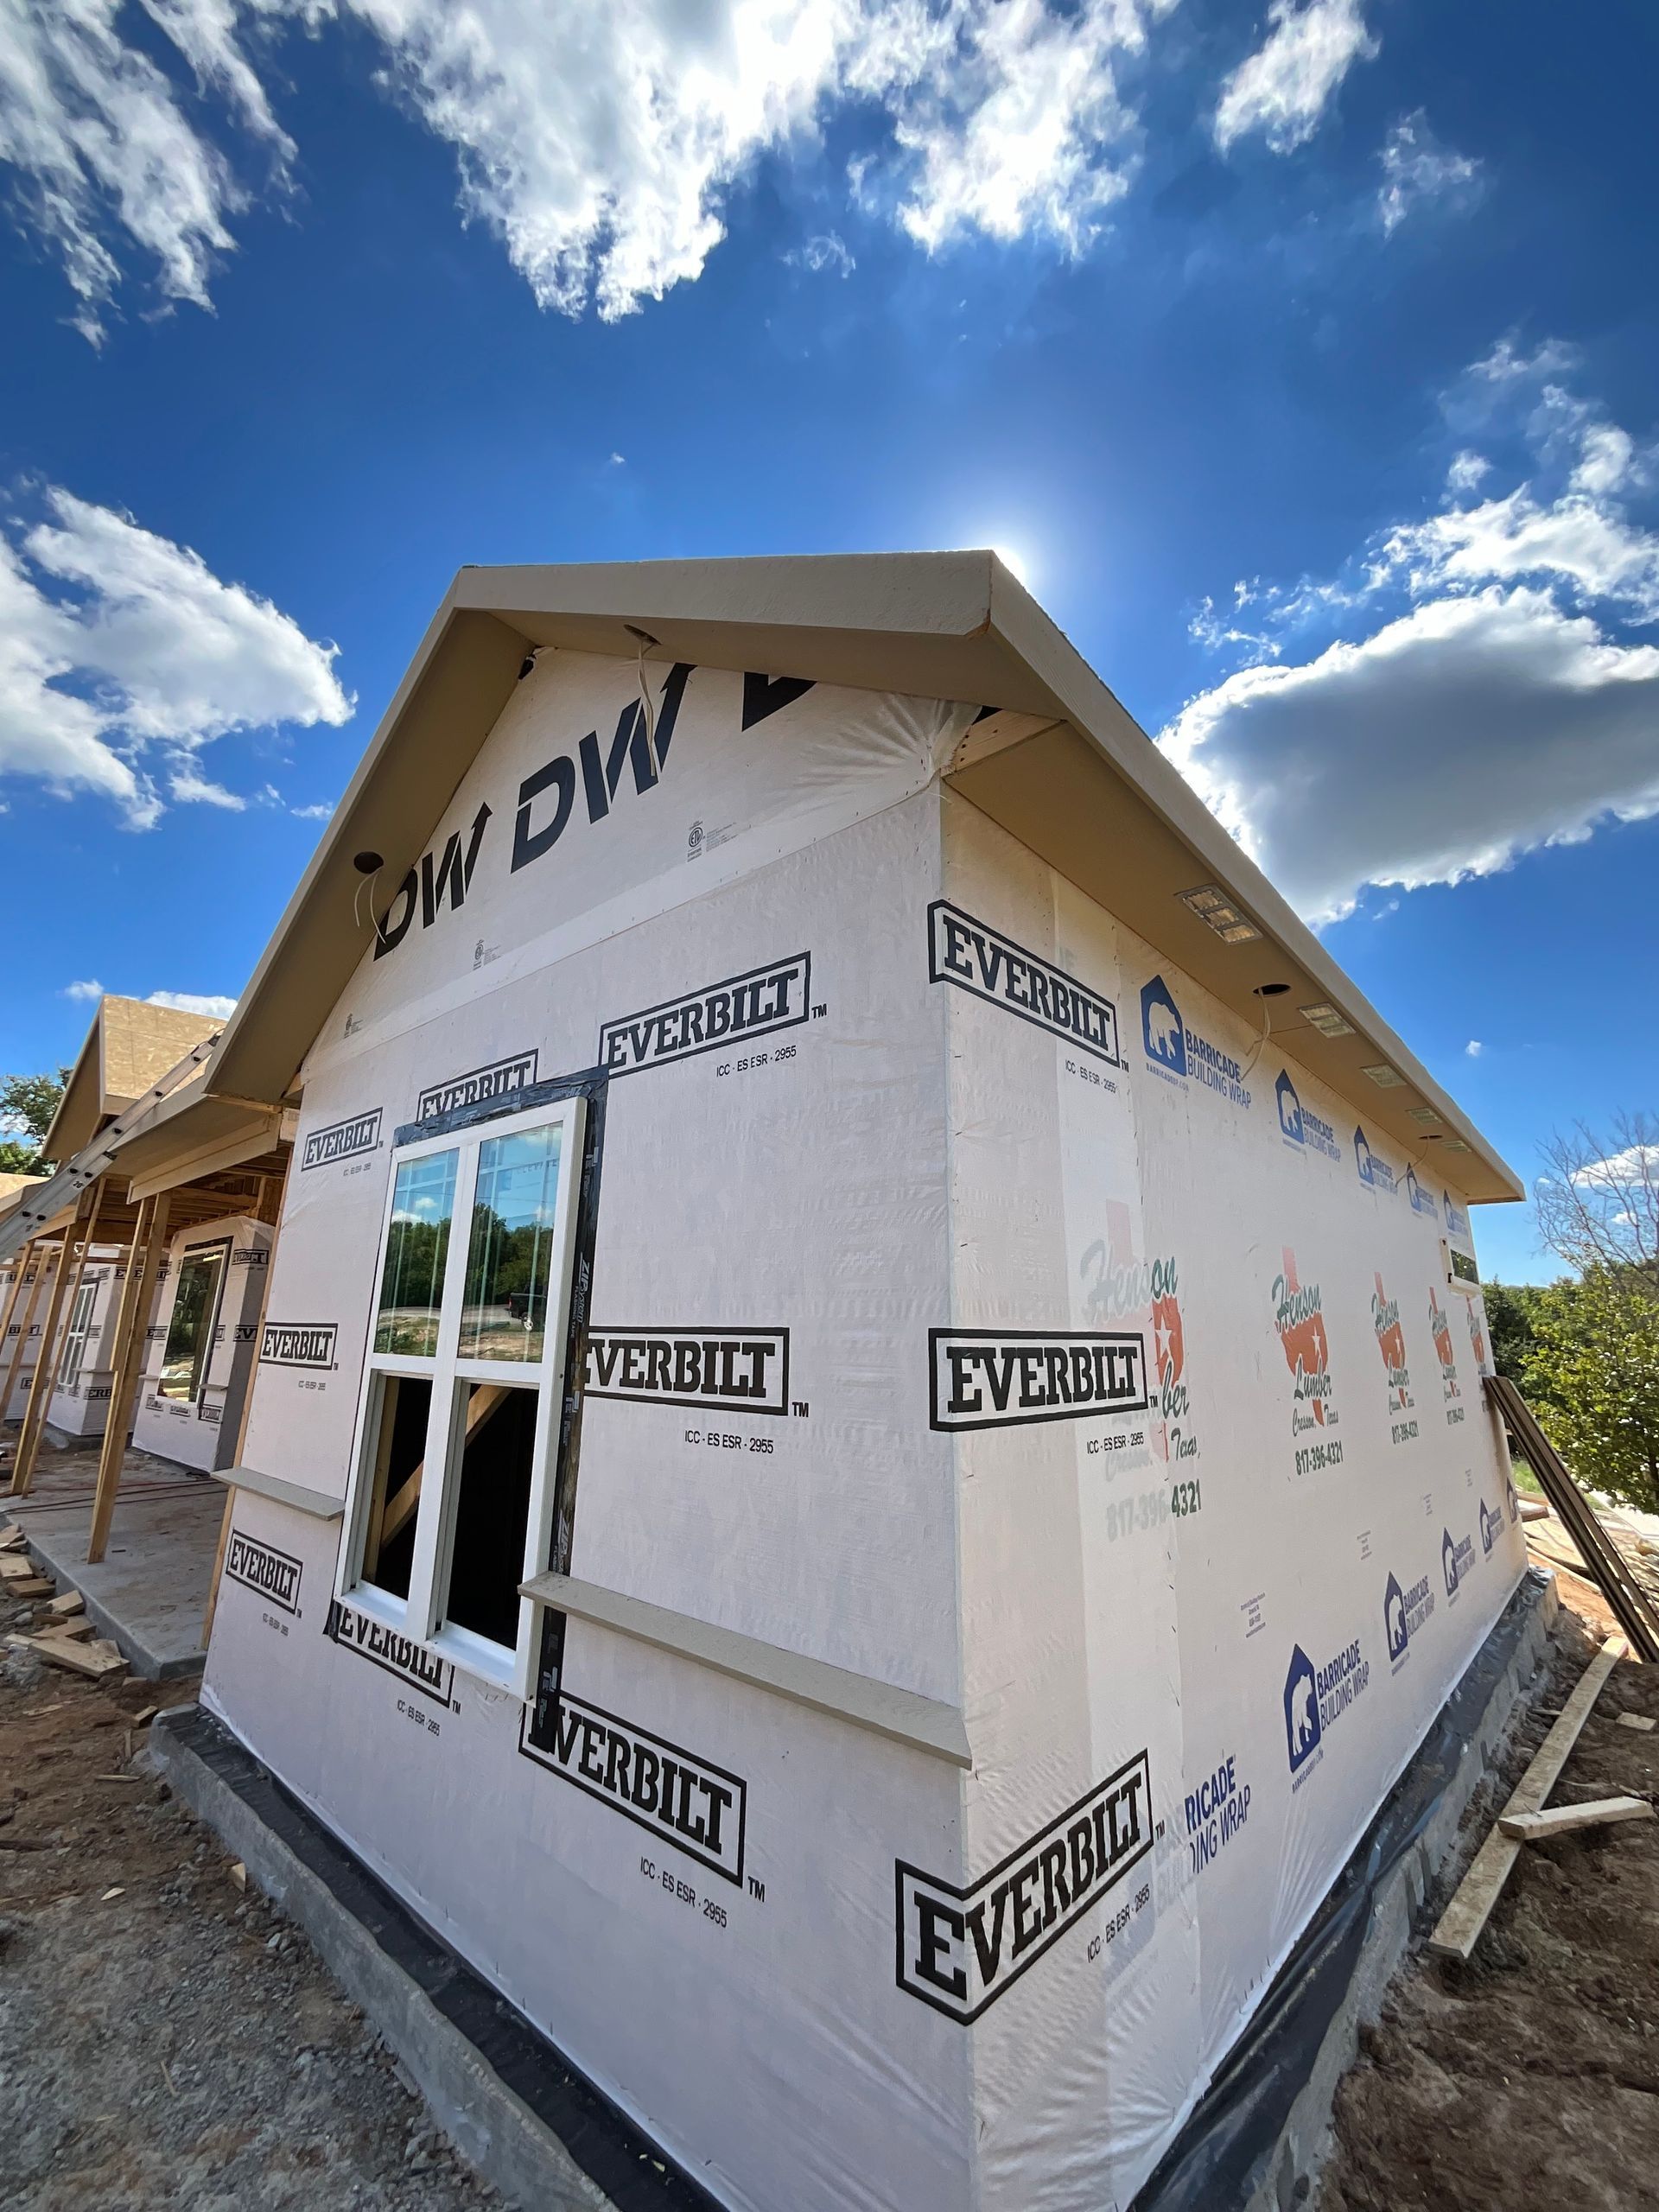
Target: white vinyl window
74	1347
452	1479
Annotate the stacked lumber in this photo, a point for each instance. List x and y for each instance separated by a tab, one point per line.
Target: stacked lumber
95	1660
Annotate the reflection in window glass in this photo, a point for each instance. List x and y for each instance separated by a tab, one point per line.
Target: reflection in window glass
190	1331
505	1314
418	1244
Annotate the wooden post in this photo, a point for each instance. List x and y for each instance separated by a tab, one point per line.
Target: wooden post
136	1293
242	1419
19	1269
49	1363
35	1252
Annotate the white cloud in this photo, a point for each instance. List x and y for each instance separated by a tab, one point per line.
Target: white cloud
1466	732
1637	1163
144	648
188	786
599	143
86	990
218	1009
1575	537
824	251
1474	1048
1283	89
1467	470
1416	169
320	813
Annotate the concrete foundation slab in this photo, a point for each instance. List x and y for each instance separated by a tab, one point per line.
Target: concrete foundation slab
149	1592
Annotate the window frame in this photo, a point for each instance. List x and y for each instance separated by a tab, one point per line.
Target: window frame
418	1615
77	1332
201	1358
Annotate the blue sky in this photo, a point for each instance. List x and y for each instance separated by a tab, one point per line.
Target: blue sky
1302	357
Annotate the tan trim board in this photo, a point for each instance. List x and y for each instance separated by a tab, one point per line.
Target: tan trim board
300	1495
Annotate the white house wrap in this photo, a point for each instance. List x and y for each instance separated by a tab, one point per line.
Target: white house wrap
1015	1458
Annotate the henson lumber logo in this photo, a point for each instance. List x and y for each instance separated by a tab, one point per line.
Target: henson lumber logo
745	1368
1316	1699
341	1140
959	1949
1440	1329
1176	1051
698	1807
986	964
1404	1612
1391	1342
992	1378
1297	1317
477	1085
265	1569
728	1013
397	1654
299	1343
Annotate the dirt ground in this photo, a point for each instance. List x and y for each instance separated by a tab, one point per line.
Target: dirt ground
1530	2076
166	2040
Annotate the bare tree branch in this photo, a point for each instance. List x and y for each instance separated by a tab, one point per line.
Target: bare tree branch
1597	1206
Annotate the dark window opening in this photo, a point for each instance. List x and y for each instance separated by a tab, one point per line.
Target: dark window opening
403	1403
190	1327
486	1555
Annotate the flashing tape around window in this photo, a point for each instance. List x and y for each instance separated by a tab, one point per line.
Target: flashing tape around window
901	1715
317	1503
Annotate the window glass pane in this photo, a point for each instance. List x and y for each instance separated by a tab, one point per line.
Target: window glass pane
486	1552
80	1322
397	1453
506	1311
417	1244
189	1331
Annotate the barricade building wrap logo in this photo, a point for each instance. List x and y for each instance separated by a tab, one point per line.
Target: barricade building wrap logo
1492	1528
959	1949
499	1080
715	1017
394	1654
1457	1222
1457	1558
1315	1701
986	964
1374	1173
1181	1053
996	1378
1300	1320
263	1568
1391	1342
697	1807
299	1343
1299	1125
1216	1811
746	1371
1404	1612
1422	1201
341	1140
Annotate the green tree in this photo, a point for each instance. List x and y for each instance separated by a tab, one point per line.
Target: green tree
27	1105
1592	1375
1511	1320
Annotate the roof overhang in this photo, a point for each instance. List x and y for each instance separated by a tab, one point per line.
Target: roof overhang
1090	794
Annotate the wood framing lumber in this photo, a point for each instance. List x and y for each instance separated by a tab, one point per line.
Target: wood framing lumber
71	1602
96	1660
72	1629
54	1344
138	1293
1459	1926
1562	1819
32	1585
246	1416
32	1255
485	1398
11	1537
17	1568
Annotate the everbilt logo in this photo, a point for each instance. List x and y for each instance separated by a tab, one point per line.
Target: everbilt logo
498	1080
341	1140
1374	1173
397	1654
993	1378
728	1013
747	1370
698	1807
1422	1201
1299	1125
1404	1612
299	1343
1457	1558
1176	1050
1316	1698
986	964
262	1567
959	1949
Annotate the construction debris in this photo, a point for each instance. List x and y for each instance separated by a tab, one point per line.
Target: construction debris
71	1602
1561	1820
97	1659
1634	1721
31	1585
1461	1923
